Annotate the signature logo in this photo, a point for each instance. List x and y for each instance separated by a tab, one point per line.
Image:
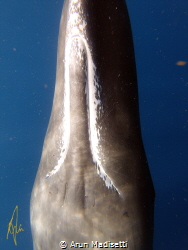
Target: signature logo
13	225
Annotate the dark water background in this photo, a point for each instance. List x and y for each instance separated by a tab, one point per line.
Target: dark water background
28	48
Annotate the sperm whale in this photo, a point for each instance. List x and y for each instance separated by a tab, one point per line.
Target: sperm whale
93	184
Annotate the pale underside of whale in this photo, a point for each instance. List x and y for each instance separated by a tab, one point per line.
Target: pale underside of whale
93	181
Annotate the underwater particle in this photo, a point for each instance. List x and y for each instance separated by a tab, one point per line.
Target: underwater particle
181	63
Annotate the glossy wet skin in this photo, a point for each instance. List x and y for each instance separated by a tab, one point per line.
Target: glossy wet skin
93	182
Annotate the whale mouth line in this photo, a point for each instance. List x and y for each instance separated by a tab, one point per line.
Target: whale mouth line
94	108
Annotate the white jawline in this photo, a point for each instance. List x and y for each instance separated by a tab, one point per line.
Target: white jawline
76	30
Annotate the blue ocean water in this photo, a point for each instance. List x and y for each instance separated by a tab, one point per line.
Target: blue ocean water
28	49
